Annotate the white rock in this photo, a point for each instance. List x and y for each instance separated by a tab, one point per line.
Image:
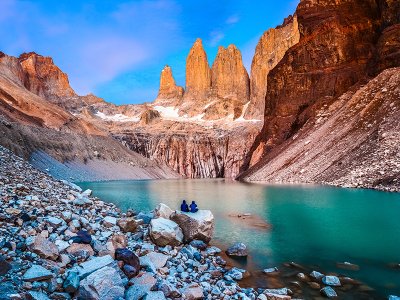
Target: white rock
162	211
198	225
165	232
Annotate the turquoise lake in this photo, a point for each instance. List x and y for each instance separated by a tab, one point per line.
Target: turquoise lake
315	226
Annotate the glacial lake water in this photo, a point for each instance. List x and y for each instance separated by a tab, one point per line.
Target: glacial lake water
315	226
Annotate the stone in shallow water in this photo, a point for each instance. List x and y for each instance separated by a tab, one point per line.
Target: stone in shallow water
237	250
103	284
37	273
270	270
316	275
331	280
282	291
348	266
328	292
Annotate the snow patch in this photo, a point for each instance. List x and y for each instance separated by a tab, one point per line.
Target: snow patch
117	117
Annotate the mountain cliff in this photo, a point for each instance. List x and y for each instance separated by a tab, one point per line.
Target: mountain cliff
68	146
229	84
169	93
269	51
342	44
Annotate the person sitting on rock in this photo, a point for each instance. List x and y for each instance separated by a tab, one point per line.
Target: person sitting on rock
184	206
193	207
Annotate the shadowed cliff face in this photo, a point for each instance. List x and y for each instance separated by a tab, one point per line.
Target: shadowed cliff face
335	51
342	44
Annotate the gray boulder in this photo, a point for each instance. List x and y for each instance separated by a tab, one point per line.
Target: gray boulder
37	273
162	211
104	284
140	286
165	232
195	226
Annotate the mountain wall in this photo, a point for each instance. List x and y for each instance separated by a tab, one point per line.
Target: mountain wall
270	49
193	153
343	44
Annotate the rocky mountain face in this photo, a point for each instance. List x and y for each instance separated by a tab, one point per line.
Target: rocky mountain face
352	142
198	75
169	93
269	51
230	84
33	126
191	150
342	44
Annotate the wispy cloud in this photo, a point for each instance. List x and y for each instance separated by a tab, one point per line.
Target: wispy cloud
215	37
232	19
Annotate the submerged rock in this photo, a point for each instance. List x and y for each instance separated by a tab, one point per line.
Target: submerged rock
195	226
237	250
328	292
331	280
165	232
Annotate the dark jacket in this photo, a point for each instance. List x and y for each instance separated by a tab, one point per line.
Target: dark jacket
184	207
193	207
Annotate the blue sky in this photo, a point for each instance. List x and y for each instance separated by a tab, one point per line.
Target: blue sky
116	49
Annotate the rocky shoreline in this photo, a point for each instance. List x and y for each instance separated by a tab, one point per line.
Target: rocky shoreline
58	242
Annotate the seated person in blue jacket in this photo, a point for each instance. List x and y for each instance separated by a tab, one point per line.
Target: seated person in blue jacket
193	207
184	206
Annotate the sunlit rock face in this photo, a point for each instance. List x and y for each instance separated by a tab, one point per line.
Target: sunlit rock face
169	93
198	75
230	84
43	77
270	49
